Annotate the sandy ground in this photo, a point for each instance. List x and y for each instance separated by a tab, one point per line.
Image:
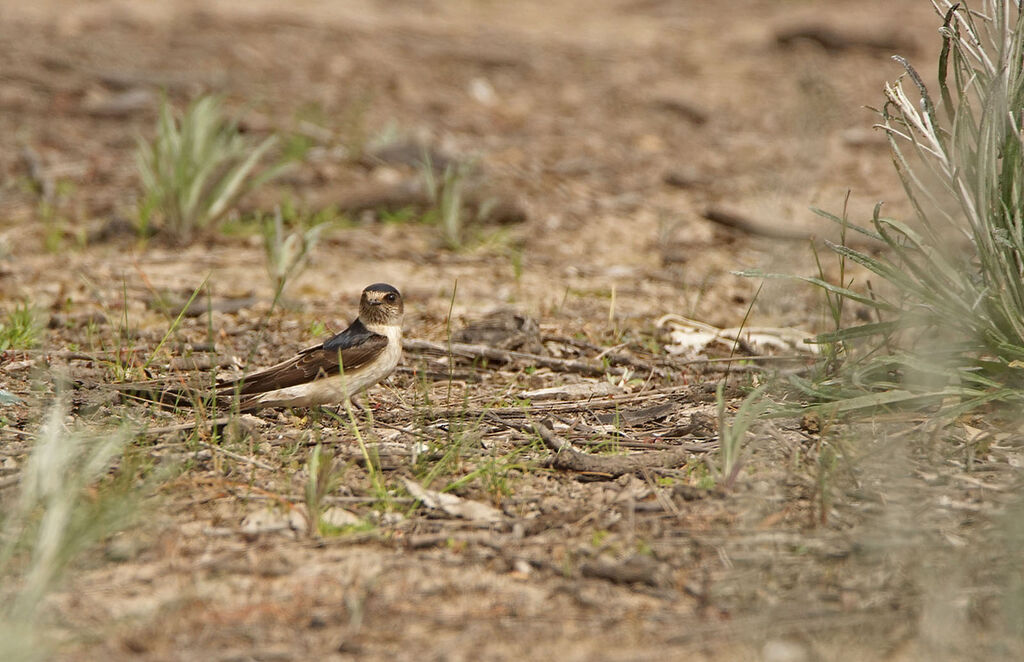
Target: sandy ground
611	129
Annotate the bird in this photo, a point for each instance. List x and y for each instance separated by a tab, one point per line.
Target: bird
331	373
337	369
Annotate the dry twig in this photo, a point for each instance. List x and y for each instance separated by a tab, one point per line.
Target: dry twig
508	356
569	459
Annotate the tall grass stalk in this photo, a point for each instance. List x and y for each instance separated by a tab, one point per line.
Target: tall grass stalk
287	254
324	475
732	431
948	331
378	482
447	196
67	503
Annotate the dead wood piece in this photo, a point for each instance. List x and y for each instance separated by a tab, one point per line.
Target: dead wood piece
122	104
11	367
626	443
483	204
186	427
685	177
504	328
681	107
834	40
439	375
200	306
468	351
569	459
739	222
700	425
684	393
422	540
124	79
613	358
587	390
637	569
63	321
236	456
375	197
494	209
408	153
47	354
634	417
691	493
195	347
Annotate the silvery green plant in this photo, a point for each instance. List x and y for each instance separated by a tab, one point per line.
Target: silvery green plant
52	522
287	254
447	195
948	327
196	168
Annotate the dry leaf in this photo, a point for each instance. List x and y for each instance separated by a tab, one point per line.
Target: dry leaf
453	505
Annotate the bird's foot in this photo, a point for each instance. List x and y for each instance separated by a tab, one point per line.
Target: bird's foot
340	411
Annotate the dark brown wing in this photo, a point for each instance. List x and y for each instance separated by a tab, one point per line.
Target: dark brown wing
356	346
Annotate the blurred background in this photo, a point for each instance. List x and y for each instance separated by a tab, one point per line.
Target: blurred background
586	143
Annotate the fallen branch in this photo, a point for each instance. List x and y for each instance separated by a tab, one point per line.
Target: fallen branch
588	405
237	456
201	306
482	204
508	356
736	221
186	427
604	352
835	40
569	459
637	569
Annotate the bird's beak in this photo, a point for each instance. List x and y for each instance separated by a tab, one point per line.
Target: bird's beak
376	303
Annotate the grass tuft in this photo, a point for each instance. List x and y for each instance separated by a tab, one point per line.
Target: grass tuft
21	329
196	168
447	195
732	433
946	329
69	500
287	254
324	475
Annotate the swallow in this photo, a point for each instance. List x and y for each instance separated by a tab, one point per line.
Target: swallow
330	373
334	371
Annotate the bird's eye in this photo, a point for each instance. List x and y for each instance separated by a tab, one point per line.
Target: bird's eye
390	298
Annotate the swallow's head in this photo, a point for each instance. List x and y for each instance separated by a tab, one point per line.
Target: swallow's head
381	304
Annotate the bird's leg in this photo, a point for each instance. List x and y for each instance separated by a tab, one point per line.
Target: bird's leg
356	404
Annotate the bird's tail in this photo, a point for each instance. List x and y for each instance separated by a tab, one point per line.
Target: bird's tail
224	394
230	396
168	395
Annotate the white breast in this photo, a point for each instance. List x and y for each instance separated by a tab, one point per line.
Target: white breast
335	390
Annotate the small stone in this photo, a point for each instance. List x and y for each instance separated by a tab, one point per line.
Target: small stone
783	650
339	517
